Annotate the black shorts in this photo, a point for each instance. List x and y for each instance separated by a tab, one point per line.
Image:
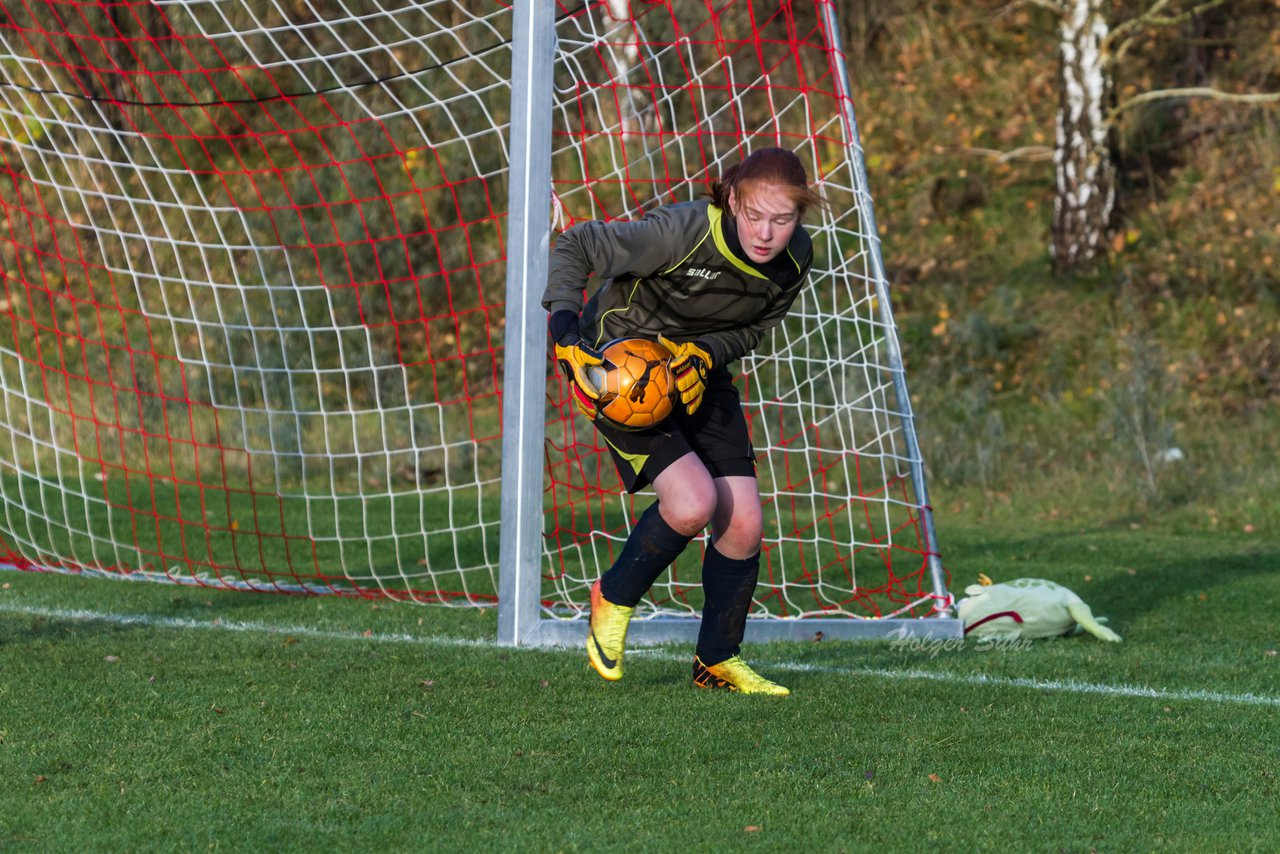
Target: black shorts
717	433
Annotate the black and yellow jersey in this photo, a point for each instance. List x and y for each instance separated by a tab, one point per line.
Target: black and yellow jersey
678	272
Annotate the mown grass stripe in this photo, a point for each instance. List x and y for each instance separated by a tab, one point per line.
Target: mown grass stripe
1068	686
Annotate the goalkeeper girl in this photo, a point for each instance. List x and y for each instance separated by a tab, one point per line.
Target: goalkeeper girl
706	279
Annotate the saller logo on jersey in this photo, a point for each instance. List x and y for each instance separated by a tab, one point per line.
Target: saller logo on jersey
703	273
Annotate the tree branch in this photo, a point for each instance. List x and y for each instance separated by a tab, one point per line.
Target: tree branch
1026	152
1156	20
1058	7
1129	30
1193	92
1052	5
1137	21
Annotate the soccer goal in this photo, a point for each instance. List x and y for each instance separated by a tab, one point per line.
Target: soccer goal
271	274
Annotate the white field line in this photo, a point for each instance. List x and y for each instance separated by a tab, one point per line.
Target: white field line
217	624
1066	686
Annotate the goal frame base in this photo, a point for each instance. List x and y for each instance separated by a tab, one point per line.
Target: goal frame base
660	630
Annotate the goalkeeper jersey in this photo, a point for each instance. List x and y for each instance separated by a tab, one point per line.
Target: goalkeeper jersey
679	272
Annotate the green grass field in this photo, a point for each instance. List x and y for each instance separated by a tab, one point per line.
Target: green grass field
148	717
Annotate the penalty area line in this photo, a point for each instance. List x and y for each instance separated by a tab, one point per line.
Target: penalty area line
1064	686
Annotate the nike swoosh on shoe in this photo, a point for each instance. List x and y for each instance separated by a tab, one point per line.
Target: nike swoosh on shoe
608	662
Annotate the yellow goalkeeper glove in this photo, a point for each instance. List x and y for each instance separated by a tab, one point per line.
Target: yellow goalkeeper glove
689	365
574	360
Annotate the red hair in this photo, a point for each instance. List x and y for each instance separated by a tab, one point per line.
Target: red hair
778	167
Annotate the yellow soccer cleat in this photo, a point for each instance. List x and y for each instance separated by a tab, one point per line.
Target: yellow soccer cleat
734	675
608	636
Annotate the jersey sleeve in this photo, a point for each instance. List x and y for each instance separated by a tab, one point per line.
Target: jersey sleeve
609	249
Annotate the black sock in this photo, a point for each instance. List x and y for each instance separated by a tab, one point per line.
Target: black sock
727	585
650	549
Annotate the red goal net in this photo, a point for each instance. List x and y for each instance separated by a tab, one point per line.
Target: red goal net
252	264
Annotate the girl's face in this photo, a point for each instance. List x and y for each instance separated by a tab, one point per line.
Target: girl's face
766	219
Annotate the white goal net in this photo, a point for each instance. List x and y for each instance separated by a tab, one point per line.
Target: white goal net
252	264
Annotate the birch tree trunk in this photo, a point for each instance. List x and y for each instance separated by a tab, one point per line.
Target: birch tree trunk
1085	174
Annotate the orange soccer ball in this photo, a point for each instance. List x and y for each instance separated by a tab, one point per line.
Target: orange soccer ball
635	384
